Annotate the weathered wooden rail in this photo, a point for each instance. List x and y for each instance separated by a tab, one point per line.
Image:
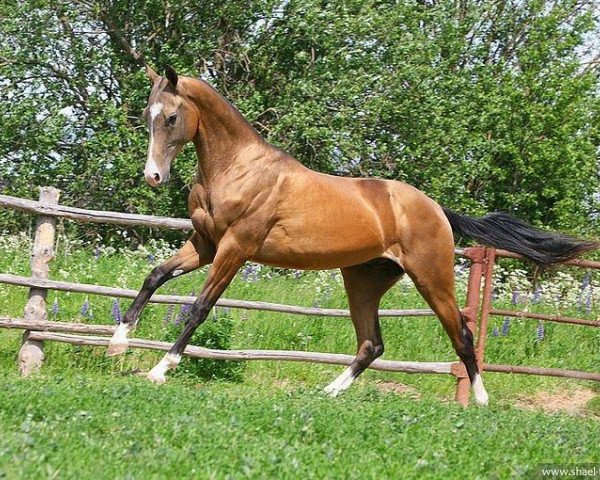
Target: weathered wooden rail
58	332
38	329
182	299
50	209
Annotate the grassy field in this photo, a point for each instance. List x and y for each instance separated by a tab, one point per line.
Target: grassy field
90	416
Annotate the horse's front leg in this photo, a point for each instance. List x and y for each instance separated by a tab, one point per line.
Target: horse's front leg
195	253
227	262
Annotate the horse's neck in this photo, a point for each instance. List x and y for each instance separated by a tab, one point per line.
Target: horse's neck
223	134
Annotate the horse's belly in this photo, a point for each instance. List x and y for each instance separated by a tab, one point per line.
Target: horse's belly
316	247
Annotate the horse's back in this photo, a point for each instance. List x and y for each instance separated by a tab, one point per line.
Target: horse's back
324	221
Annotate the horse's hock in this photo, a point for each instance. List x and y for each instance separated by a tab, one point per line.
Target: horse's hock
37	328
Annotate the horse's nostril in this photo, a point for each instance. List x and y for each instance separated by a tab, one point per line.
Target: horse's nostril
156	177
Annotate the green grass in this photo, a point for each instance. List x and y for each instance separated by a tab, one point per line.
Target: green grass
86	416
89	425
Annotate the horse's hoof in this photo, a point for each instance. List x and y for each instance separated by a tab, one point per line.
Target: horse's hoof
482	399
481	396
332	391
115	349
156	378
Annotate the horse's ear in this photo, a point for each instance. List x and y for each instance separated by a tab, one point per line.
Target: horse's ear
152	75
171	75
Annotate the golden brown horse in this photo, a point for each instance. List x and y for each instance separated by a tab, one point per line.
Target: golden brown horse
252	201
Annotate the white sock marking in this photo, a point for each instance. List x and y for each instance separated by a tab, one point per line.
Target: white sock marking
120	335
157	374
481	396
177	272
341	383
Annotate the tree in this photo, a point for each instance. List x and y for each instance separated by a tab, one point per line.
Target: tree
484	105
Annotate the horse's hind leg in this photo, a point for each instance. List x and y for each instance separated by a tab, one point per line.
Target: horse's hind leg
433	274
365	285
195	253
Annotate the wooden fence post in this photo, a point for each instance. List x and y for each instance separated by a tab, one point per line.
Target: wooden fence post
31	354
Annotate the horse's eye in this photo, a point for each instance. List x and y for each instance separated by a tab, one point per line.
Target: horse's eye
171	120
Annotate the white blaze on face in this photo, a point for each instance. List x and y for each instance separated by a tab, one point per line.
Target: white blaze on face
151	167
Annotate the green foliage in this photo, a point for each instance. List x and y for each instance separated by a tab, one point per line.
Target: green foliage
593	406
483	105
215	333
87	426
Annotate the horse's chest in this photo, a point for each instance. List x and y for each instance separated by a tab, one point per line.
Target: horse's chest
204	225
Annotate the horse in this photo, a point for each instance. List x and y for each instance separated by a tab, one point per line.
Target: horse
253	202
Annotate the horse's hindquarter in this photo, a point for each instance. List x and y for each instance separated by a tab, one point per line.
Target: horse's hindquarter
329	222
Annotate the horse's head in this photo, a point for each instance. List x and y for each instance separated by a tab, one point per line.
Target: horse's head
172	122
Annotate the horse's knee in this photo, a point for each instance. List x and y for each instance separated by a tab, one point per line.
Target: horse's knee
377	351
369	351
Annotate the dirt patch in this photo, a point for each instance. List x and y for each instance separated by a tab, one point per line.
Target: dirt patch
566	401
287	384
397	388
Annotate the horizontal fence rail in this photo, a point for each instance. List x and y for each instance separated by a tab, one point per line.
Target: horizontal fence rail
94	216
182	299
576	262
546	317
200	352
58	328
547	372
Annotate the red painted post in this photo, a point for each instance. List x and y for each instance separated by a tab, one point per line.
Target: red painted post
477	257
486	305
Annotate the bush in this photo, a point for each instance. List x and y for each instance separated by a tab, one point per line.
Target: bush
216	333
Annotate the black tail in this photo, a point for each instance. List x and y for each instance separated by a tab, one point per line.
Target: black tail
501	230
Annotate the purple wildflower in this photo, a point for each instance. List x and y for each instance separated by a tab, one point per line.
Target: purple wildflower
85	308
505	326
97	252
515	297
250	272
54	310
537	295
588	301
151	259
116	311
540	333
586	281
168	314
495	332
183	315
462	268
297	274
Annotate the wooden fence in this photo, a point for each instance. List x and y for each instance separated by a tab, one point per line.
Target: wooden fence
37	328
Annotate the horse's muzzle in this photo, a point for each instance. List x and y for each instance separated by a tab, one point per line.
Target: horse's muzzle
153	179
